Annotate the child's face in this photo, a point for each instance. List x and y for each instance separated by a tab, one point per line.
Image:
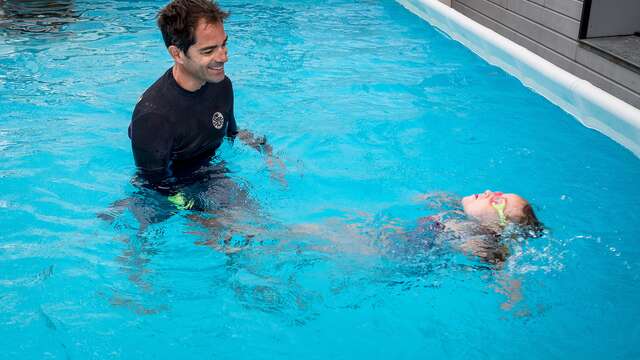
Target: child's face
482	207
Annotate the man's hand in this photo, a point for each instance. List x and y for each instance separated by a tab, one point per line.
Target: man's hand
275	165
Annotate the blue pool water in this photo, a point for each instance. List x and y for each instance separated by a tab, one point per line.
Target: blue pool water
368	107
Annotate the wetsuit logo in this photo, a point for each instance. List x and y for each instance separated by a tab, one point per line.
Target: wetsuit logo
217	120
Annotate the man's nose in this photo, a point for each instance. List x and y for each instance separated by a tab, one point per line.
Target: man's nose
221	55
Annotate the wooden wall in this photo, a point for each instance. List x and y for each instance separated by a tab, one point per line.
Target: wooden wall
549	28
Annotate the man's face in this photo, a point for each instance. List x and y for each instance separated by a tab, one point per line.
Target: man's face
205	59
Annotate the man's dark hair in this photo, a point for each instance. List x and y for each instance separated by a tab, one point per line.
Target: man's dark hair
178	20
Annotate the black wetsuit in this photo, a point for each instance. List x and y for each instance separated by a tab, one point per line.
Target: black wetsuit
174	131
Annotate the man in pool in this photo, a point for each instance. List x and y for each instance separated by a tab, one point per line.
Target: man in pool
182	119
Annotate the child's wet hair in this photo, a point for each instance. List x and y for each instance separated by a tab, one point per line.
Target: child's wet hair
523	225
528	223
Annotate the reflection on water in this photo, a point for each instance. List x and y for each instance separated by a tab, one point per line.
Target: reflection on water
35	16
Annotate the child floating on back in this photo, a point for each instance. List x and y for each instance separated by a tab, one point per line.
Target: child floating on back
484	225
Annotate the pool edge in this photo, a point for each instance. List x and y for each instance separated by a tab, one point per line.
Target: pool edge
592	106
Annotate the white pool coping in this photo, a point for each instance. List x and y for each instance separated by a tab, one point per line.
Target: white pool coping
592	106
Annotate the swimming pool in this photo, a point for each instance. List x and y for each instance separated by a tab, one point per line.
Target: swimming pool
369	107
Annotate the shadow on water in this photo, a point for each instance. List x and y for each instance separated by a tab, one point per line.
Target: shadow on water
24	17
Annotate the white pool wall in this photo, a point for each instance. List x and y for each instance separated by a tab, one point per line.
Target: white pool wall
592	106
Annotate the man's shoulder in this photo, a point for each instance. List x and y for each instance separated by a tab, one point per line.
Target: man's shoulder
155	98
227	82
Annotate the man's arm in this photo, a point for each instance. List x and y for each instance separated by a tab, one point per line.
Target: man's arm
151	142
259	144
276	166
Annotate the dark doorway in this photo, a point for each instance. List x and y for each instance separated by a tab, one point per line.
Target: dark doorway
612	28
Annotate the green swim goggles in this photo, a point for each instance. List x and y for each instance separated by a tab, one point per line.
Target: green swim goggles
499	203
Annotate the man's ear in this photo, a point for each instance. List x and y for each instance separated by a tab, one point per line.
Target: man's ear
176	54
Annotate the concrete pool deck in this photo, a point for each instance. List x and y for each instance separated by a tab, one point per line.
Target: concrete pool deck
592	106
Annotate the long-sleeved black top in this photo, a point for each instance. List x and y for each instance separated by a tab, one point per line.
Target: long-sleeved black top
173	131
